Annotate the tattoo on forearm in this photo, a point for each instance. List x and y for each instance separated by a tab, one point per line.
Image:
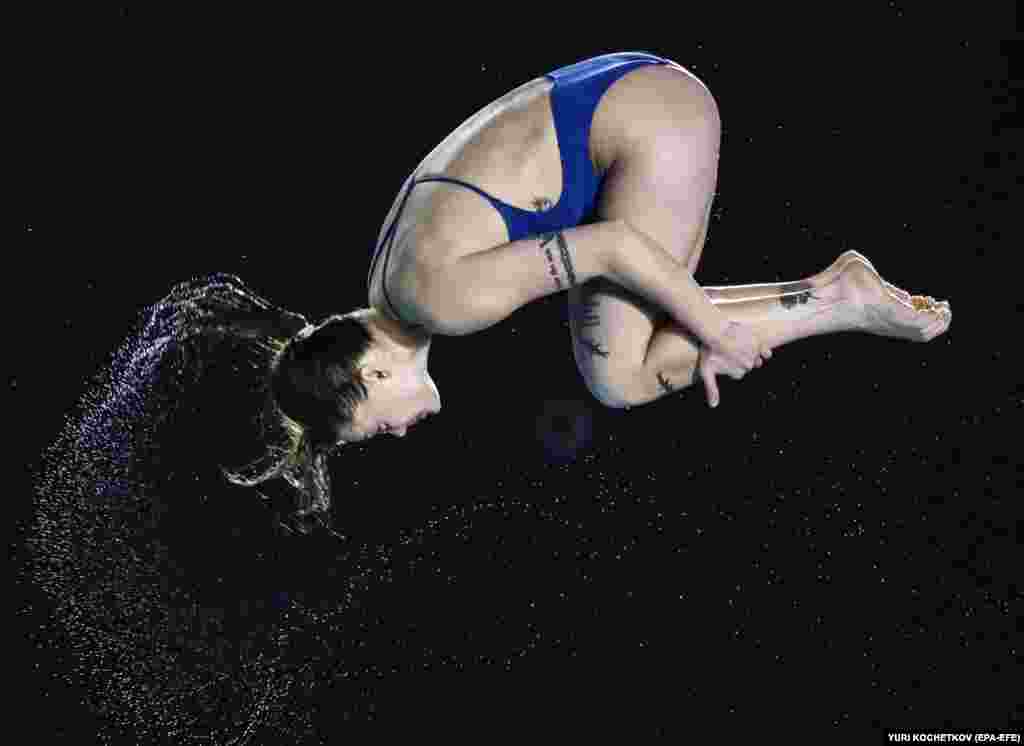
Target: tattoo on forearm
563	249
795	293
585	311
543	203
552	268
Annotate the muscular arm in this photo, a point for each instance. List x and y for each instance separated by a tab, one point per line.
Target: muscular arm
483	288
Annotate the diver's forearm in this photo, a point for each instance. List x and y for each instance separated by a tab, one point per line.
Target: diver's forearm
645	267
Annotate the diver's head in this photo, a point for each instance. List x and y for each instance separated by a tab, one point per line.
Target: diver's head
393	371
356	376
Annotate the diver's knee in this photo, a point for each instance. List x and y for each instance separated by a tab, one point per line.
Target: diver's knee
614	392
615	402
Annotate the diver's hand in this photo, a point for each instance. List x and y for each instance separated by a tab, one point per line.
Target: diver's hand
735	353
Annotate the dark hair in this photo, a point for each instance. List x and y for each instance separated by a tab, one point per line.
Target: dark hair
307	376
312	390
314	383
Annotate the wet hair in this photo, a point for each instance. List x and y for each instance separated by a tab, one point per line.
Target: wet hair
304	387
312	390
314	382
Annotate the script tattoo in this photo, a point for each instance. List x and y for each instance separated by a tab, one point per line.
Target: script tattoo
552	268
586	317
795	293
563	249
541	204
584	311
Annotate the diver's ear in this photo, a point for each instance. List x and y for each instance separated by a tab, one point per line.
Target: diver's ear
370	374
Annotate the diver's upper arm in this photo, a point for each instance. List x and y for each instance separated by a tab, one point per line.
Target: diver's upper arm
480	289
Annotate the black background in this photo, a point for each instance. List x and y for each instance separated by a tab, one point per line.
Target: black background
829	552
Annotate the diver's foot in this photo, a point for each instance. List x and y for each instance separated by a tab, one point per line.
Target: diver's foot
833	271
889	311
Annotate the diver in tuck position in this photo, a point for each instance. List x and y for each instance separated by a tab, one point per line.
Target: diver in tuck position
596	179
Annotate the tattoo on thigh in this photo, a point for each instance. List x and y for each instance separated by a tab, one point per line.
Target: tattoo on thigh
586	318
666	385
795	293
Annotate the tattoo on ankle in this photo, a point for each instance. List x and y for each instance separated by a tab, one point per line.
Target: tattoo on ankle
796	293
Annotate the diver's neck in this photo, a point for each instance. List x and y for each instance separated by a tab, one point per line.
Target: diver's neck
414	339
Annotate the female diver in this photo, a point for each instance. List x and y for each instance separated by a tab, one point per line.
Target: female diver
596	179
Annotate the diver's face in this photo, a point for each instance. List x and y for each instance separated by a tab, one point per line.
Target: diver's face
396	402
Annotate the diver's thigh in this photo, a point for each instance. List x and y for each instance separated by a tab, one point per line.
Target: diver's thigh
664	176
610	329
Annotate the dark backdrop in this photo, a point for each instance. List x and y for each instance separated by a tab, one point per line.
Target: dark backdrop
830	551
